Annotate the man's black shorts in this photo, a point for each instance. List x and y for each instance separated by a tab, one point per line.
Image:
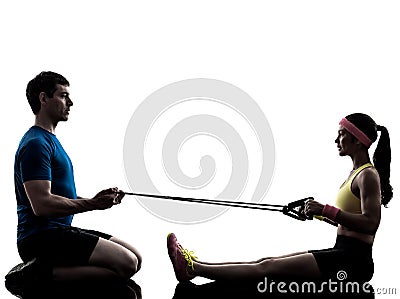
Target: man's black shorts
63	246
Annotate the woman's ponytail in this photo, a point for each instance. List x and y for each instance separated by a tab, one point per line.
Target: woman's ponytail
381	159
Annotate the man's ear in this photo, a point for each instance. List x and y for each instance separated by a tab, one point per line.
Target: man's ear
42	97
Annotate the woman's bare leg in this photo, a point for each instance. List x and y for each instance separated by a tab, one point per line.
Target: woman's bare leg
302	265
250	262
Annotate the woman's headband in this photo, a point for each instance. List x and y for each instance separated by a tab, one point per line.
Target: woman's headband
356	132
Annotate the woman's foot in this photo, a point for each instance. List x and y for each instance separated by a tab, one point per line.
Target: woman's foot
182	259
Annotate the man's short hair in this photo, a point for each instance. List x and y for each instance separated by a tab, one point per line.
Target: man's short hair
44	82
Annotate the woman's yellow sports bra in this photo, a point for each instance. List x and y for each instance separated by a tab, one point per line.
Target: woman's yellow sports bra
345	199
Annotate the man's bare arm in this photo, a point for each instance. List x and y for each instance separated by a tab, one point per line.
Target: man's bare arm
46	204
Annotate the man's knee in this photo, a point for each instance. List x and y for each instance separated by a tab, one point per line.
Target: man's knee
139	261
131	249
129	266
115	257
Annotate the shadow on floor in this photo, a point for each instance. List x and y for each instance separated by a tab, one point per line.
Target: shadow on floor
77	290
252	290
23	281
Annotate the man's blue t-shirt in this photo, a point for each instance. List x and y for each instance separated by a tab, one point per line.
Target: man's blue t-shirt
40	156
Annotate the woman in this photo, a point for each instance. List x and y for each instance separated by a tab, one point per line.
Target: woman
357	213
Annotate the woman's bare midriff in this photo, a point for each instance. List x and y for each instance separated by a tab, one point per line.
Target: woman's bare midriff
344	231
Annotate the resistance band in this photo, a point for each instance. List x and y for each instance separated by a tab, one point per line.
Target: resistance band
292	209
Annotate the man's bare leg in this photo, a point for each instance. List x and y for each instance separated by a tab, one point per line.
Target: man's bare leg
109	260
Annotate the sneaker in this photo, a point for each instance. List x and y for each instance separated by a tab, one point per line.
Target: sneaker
23	276
181	258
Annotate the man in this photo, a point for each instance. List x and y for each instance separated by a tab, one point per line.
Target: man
45	190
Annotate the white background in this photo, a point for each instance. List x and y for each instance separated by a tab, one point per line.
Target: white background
306	63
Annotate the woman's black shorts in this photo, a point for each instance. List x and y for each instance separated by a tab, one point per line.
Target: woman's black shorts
350	255
63	246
